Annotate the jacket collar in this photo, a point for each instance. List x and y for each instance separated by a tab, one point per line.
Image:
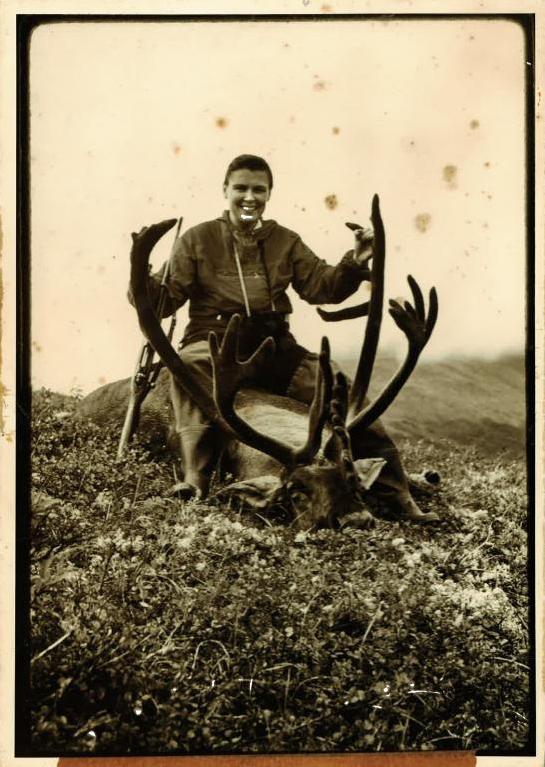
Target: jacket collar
260	233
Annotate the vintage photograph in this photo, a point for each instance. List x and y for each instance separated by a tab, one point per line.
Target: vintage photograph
279	313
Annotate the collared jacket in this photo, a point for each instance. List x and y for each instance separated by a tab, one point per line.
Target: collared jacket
203	271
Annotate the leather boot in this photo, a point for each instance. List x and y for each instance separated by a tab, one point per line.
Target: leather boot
200	448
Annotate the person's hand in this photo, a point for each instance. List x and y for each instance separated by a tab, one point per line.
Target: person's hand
363	243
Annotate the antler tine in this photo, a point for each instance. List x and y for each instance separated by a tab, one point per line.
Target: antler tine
226	357
319	409
372	330
433	313
145	240
142	245
418	329
339	402
340	436
418	297
420	308
229	375
348	313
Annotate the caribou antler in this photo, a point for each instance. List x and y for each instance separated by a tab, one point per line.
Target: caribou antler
412	320
418	328
230	374
143	243
319	408
372	330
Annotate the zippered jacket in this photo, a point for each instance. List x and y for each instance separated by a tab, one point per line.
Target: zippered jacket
203	271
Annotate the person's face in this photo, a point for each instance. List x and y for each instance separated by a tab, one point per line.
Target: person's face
247	193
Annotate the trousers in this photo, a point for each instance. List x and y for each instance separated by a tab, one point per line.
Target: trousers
201	443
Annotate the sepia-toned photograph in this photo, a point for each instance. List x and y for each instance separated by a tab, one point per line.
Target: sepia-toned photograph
277	393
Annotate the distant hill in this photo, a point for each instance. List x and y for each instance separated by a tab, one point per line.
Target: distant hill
469	401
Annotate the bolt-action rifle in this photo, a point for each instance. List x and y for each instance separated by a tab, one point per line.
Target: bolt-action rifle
147	368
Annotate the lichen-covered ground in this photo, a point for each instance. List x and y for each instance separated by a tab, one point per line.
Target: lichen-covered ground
160	627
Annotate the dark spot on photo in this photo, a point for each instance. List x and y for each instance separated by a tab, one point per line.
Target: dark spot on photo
449	175
221	122
331	201
422	222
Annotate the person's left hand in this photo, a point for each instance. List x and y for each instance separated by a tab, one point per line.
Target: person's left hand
364	239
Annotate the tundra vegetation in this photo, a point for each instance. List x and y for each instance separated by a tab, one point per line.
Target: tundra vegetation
159	626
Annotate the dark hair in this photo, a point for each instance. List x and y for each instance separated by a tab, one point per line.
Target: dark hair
249	162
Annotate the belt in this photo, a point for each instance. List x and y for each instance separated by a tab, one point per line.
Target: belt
263	317
252	330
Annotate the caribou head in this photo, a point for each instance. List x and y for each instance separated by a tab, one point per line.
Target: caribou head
320	482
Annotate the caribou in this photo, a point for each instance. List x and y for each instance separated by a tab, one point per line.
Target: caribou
299	464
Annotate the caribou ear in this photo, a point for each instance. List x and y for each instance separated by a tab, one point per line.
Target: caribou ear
368	470
251	494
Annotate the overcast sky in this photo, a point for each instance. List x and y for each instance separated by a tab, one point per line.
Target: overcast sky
136	122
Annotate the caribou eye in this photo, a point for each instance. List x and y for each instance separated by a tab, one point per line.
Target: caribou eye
298	497
296	486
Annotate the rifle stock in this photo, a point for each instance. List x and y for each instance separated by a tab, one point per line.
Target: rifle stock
130	425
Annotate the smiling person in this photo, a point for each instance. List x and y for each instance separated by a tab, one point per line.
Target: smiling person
242	264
